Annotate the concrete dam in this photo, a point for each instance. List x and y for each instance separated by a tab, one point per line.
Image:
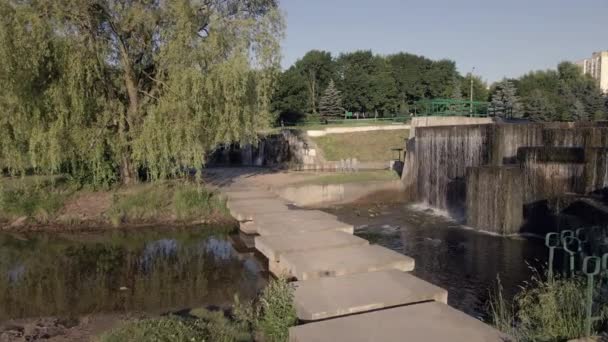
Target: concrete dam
508	178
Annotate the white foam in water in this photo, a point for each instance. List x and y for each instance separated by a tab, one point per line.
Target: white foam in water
434	211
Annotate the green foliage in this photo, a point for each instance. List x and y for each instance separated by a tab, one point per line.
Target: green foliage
567	92
538	107
545	310
505	102
271	317
191	203
331	101
480	88
365	146
276	311
140	204
210	326
366	83
317	69
186	202
104	90
370	84
40	201
290	99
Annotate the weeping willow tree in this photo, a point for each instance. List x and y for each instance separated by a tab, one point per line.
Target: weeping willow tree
107	89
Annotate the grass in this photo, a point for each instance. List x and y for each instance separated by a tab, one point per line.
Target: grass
355	177
41	200
365	146
178	329
545	310
33	198
270	316
185	202
276	311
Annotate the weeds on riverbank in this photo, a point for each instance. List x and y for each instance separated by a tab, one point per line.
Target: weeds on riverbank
270	316
546	309
36	201
185	202
40	200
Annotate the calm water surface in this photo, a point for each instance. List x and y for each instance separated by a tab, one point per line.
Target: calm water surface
122	270
464	262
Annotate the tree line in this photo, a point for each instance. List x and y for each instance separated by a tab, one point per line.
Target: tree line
320	84
367	83
565	94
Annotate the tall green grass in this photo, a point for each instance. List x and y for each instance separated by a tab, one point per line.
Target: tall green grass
546	309
165	202
192	203
40	201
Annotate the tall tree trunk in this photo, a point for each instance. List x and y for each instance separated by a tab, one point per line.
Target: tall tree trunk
313	91
128	173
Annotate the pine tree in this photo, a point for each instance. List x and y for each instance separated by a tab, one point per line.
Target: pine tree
331	101
579	113
538	107
456	89
505	102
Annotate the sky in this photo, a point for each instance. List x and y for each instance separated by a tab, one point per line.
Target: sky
505	38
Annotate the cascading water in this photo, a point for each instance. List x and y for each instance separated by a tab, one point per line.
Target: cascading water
555	159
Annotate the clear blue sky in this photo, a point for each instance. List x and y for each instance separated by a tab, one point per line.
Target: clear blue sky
500	38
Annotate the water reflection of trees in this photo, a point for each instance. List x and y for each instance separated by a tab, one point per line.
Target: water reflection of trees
76	278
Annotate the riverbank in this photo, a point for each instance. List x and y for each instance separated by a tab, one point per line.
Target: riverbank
54	204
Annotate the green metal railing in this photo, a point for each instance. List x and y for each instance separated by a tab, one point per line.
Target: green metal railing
449	107
355	122
585	252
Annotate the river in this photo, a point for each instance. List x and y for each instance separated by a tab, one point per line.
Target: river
464	262
151	270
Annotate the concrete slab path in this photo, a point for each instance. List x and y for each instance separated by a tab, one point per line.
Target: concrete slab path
426	322
245	211
342	261
273	246
291	221
324	298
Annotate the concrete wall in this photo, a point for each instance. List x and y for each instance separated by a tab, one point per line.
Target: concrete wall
338	130
315	195
288	148
431	121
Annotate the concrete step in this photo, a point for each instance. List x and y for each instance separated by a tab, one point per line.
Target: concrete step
292	221
251	194
343	261
324	298
246	210
273	246
255	202
428	322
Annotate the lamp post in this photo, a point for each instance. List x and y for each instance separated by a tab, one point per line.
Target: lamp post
471	94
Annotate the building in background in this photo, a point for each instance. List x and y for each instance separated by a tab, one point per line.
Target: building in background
597	67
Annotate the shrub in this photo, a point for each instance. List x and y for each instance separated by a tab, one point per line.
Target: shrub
271	316
545	310
40	202
276	311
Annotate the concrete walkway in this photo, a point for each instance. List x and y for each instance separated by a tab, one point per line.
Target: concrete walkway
347	289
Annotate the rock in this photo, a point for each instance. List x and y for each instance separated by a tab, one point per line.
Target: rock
20	222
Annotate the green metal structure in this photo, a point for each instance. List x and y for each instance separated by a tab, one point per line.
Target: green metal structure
585	253
449	107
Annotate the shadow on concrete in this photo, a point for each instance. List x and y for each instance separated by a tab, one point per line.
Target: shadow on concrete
230	176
